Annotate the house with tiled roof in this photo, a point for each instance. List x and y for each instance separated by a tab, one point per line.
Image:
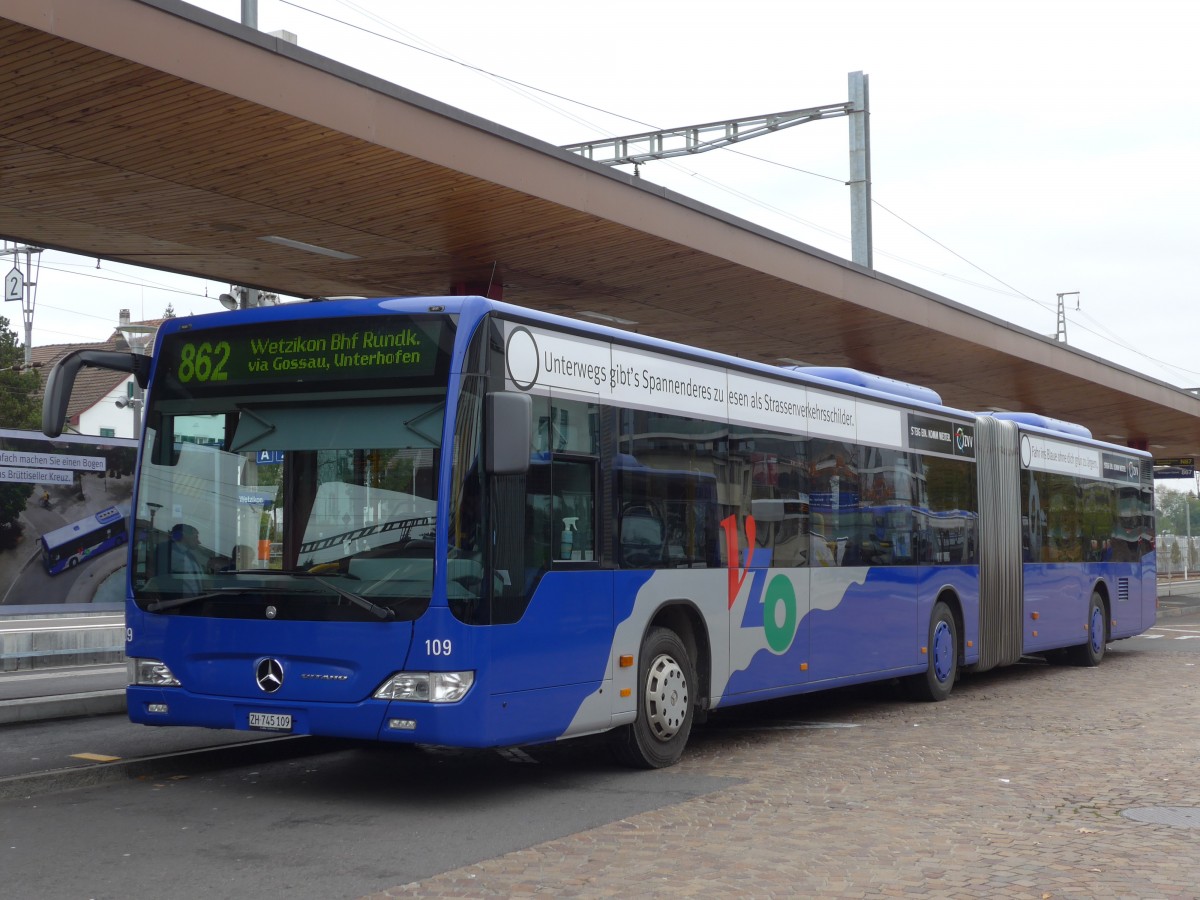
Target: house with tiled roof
93	409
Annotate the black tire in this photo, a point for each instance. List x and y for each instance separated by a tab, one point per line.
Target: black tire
937	681
1091	651
665	704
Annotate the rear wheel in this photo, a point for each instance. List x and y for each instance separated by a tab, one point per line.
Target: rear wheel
1091	651
937	681
666	682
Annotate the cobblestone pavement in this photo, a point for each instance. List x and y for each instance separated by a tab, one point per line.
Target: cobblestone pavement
1015	787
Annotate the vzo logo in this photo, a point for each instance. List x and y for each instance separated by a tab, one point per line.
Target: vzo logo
780	613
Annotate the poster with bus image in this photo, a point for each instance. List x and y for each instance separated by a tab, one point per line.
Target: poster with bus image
64	518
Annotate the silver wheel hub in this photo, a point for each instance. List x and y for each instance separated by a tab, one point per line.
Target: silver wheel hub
666	697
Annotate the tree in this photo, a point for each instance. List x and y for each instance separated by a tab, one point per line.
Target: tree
19	406
13	497
169	312
1172	509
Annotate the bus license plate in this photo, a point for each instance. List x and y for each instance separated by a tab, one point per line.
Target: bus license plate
271	721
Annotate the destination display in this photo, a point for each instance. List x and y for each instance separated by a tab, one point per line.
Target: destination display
1175	467
1062	458
367	348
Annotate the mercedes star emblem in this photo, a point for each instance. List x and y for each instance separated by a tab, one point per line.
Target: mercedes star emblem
269	675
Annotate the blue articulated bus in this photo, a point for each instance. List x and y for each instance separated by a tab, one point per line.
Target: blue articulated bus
455	521
66	547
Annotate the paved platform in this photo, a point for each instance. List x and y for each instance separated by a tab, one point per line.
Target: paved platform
1032	782
33	695
1177	598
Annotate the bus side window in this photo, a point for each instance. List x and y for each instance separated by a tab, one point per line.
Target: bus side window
641	541
574	509
537	526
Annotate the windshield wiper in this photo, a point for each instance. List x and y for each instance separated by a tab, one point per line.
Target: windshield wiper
375	609
381	612
159	605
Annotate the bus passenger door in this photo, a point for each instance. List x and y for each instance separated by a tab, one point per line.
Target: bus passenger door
552	620
865	617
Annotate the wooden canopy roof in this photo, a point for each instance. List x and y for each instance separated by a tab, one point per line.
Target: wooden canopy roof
154	133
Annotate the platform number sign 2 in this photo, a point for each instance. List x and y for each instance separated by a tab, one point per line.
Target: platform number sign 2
14	284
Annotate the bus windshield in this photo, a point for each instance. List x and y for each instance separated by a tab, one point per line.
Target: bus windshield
315	504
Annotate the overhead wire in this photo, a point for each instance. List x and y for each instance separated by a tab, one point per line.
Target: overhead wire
433	50
78	270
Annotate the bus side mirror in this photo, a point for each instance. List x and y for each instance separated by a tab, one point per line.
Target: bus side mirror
62	379
508	420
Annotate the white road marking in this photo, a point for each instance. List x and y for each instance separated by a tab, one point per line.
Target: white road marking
1176	633
516	755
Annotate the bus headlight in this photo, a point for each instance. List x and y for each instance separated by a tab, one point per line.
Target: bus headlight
430	687
150	672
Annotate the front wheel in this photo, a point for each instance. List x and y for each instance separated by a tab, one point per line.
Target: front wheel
666	682
936	682
1091	651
